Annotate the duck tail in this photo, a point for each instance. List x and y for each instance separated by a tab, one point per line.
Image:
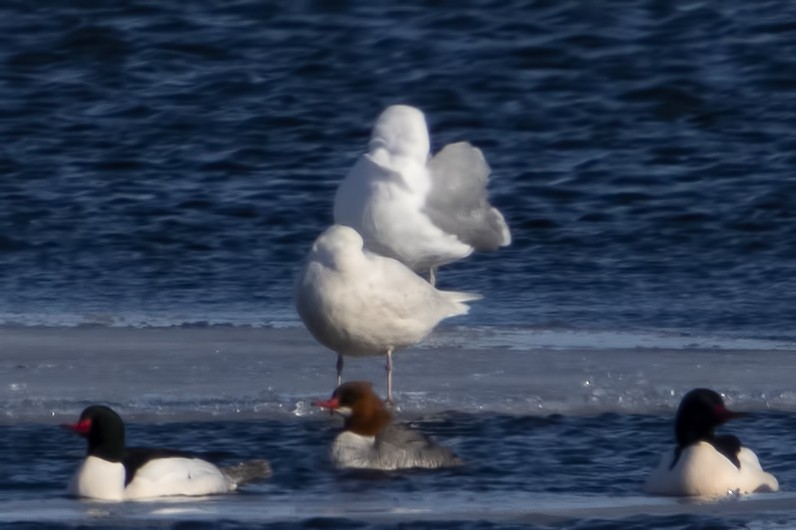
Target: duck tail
249	471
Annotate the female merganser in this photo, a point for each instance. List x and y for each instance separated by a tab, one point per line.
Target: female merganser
357	303
424	212
704	464
371	441
114	472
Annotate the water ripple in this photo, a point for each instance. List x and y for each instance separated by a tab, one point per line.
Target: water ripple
641	151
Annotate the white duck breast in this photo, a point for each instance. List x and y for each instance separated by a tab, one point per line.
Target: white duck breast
701	470
420	212
96	478
177	476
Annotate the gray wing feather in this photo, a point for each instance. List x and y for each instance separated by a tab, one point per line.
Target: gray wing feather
457	202
419	448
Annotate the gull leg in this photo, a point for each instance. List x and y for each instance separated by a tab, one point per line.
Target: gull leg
339	369
432	276
388	367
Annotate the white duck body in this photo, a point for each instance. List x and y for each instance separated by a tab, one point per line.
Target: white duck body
97	478
703	471
163	477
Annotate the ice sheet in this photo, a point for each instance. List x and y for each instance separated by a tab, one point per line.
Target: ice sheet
507	508
49	374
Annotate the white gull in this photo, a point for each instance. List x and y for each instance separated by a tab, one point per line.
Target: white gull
423	212
358	303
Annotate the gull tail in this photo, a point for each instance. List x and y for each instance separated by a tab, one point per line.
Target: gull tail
249	471
458	299
500	223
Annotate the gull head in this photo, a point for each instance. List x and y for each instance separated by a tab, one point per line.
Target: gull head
402	131
336	241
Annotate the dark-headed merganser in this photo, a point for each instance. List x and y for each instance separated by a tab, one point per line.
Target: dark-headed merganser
114	472
704	464
371	441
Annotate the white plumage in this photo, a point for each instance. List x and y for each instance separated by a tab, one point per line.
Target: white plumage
96	478
111	471
702	463
178	476
704	472
424	213
359	303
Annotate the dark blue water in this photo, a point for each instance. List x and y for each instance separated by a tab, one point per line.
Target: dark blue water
179	158
528	465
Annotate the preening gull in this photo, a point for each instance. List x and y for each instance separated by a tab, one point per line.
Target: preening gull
423	212
358	303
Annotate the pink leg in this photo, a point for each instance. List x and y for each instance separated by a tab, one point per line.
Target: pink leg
339	369
389	376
